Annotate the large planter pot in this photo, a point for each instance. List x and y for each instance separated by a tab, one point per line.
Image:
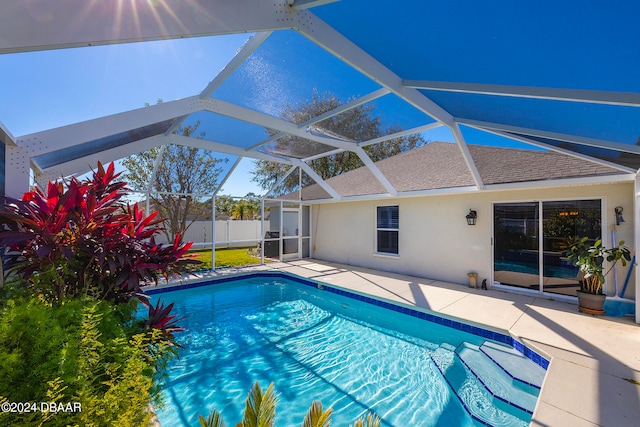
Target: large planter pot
590	303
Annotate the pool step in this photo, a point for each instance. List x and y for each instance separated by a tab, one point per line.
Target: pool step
498	382
515	364
483	407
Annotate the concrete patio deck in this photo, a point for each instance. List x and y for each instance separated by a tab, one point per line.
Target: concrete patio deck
594	374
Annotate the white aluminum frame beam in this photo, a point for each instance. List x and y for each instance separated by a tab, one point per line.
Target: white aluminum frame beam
174	193
267	121
6	137
346	107
227	175
557	149
176	124
590	142
261	119
464	149
365	159
375	171
109	22
332	113
325	154
306	4
281	179
626	99
318	179
406	132
84	164
223	148
400	134
238	59
243	53
90	130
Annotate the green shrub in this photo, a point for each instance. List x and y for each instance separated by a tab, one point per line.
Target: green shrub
77	257
80	351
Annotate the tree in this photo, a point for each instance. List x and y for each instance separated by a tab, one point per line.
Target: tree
361	123
183	171
246	209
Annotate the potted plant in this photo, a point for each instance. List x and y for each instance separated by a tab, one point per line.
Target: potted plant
590	259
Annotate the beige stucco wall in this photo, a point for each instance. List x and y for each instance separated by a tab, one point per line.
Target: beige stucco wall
435	241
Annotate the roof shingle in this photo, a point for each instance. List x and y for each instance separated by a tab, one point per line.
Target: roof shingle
440	165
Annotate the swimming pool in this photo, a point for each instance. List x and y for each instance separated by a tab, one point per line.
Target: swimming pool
350	351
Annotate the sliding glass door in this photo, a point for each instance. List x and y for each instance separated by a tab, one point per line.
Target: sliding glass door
515	257
563	222
523	260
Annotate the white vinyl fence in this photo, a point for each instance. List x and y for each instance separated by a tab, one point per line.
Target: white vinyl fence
228	233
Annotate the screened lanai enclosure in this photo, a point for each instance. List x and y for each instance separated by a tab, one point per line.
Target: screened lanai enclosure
542	77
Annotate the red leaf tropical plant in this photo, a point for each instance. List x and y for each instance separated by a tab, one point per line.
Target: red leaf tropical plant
81	239
160	319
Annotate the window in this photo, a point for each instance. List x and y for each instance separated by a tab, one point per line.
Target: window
387	228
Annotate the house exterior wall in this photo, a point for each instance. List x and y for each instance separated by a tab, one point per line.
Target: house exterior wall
434	238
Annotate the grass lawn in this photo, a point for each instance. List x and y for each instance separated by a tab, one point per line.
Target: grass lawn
229	257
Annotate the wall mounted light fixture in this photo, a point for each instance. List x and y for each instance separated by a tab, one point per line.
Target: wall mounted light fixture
619	218
472	216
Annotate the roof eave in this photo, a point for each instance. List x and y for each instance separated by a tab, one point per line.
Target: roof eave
513	186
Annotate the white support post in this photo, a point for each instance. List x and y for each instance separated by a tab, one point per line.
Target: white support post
152	178
636	241
213	233
281	232
299	184
262	230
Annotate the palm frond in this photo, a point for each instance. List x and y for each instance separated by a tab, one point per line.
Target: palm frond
370	420
315	417
260	409
213	420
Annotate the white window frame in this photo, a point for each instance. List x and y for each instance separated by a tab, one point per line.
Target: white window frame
378	229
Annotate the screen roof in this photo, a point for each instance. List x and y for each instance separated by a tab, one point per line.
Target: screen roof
555	76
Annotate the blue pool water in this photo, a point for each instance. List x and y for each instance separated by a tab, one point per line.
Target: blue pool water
316	345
